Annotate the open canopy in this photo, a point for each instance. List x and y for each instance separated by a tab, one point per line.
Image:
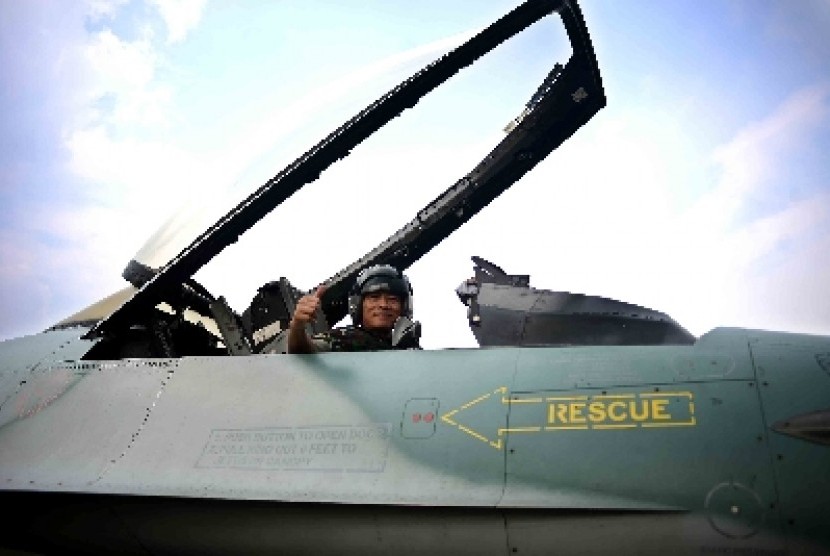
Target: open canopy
567	98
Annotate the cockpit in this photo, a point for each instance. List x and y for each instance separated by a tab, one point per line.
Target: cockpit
166	312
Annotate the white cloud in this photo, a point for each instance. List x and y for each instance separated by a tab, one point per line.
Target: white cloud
119	97
99	9
599	218
731	251
180	16
749	165
123	72
751	159
119	64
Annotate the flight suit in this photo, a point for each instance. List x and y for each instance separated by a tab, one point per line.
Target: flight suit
353	338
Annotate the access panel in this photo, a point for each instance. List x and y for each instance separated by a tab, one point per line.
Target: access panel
649	448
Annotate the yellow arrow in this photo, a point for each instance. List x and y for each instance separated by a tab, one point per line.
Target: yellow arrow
624	410
449	417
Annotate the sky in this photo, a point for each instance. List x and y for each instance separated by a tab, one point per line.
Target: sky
702	190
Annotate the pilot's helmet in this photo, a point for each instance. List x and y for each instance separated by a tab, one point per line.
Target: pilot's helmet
379	278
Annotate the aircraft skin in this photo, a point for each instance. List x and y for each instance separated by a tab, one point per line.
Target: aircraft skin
484	451
142	430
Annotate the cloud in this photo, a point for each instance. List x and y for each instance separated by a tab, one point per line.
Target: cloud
92	69
120	85
732	246
121	89
117	147
103	9
180	16
621	224
749	162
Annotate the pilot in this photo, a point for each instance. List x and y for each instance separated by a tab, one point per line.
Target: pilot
380	303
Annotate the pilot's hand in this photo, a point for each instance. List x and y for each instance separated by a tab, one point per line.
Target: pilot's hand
307	307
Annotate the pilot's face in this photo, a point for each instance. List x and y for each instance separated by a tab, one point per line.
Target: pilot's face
381	310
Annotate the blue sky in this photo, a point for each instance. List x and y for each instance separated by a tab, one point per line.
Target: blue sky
701	190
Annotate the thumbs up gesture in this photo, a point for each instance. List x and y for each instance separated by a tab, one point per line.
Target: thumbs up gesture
307	306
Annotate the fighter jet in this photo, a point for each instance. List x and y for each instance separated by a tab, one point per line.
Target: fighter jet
164	421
